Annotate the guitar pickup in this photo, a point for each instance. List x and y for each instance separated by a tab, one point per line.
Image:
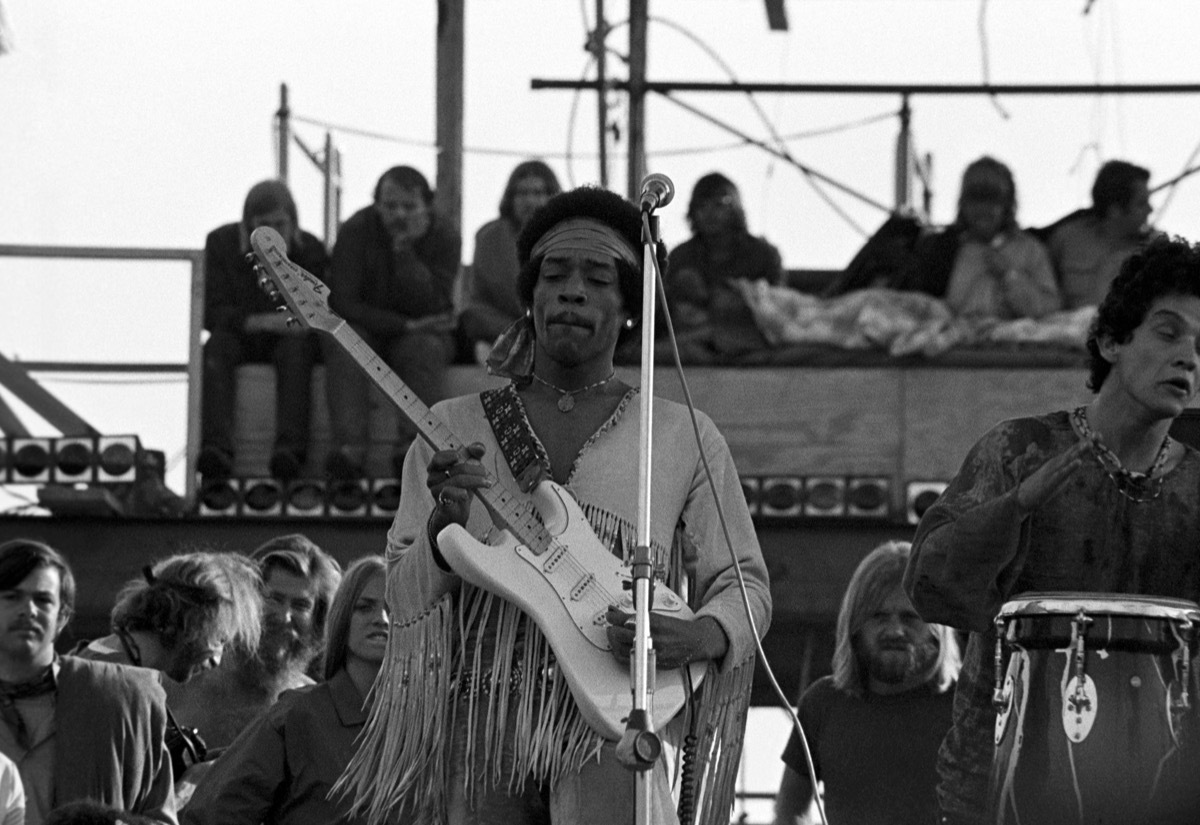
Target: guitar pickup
555	558
581	586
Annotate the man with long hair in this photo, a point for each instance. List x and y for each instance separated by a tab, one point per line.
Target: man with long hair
181	613
873	726
244	325
282	767
299	580
710	315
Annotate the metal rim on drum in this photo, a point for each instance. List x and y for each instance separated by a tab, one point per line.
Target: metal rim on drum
1067	603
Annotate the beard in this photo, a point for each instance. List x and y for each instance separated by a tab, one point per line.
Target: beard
282	649
893	661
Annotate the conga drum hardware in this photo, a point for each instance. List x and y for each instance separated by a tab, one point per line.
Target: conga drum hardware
1094	721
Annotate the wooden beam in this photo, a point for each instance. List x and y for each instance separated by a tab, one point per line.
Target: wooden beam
41	401
639	16
776	16
450	59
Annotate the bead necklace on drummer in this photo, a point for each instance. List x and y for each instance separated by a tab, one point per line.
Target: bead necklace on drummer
1084	709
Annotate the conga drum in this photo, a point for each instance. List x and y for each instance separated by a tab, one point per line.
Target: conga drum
1095	719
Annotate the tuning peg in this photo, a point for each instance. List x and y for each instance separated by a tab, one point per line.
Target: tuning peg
281	308
250	258
292	322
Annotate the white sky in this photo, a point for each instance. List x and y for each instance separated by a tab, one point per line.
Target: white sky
144	122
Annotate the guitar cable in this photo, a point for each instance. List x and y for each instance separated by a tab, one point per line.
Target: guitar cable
687	770
737	568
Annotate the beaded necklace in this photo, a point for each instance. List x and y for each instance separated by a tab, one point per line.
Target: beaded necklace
566	398
1135	486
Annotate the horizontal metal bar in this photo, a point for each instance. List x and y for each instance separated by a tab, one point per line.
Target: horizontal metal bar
111	252
100	366
881	88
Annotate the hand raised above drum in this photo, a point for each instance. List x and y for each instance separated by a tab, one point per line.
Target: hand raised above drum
1043	483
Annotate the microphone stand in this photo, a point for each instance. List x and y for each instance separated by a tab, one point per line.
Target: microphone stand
640	746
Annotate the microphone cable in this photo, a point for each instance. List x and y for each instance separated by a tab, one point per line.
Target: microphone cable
737	568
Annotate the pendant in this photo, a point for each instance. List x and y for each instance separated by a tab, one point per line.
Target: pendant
566	402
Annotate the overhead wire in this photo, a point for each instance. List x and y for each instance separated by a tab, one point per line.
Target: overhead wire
780	149
986	59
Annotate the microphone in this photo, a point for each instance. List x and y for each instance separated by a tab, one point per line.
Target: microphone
657	191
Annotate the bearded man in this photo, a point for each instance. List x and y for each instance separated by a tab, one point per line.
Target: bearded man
875	724
299	580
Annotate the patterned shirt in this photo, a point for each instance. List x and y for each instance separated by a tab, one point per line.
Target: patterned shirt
974	550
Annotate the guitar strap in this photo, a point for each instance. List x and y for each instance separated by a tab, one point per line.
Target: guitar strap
525	456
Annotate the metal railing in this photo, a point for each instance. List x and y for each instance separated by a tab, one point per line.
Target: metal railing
195	257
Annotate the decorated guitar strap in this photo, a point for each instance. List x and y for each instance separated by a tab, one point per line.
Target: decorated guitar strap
524	455
528	463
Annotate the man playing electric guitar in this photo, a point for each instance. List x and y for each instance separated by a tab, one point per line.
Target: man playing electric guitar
473	721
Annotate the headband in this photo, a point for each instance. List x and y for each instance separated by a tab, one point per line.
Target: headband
585	235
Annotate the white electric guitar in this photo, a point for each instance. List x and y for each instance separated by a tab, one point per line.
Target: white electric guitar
548	562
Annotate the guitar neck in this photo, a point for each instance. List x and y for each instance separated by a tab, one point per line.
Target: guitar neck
513	509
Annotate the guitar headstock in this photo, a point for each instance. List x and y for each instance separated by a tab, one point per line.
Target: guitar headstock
303	293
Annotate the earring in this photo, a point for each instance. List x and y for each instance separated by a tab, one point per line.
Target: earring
629	323
528	313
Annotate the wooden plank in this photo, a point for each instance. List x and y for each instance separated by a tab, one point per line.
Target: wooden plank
945	411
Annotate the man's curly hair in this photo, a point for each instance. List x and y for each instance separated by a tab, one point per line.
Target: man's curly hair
608	208
1165	266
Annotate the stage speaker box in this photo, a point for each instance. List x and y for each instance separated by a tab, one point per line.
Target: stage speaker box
385	497
219	498
30	460
869	497
74	460
781	497
919	496
349	498
262	497
824	496
305	497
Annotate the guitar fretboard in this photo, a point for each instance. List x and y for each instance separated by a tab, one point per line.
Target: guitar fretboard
514	510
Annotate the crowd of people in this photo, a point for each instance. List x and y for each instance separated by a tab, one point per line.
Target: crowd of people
394	274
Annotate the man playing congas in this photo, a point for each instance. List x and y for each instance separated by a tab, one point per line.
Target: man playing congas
1096	500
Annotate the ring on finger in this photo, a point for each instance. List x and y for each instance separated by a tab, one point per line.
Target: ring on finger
443	499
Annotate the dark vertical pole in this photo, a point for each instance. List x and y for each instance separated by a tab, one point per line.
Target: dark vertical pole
282	118
599	41
904	156
639	15
450	54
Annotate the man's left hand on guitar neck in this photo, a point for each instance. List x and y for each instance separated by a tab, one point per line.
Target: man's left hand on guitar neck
677	642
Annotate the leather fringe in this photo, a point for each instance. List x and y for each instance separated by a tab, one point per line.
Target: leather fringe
476	660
